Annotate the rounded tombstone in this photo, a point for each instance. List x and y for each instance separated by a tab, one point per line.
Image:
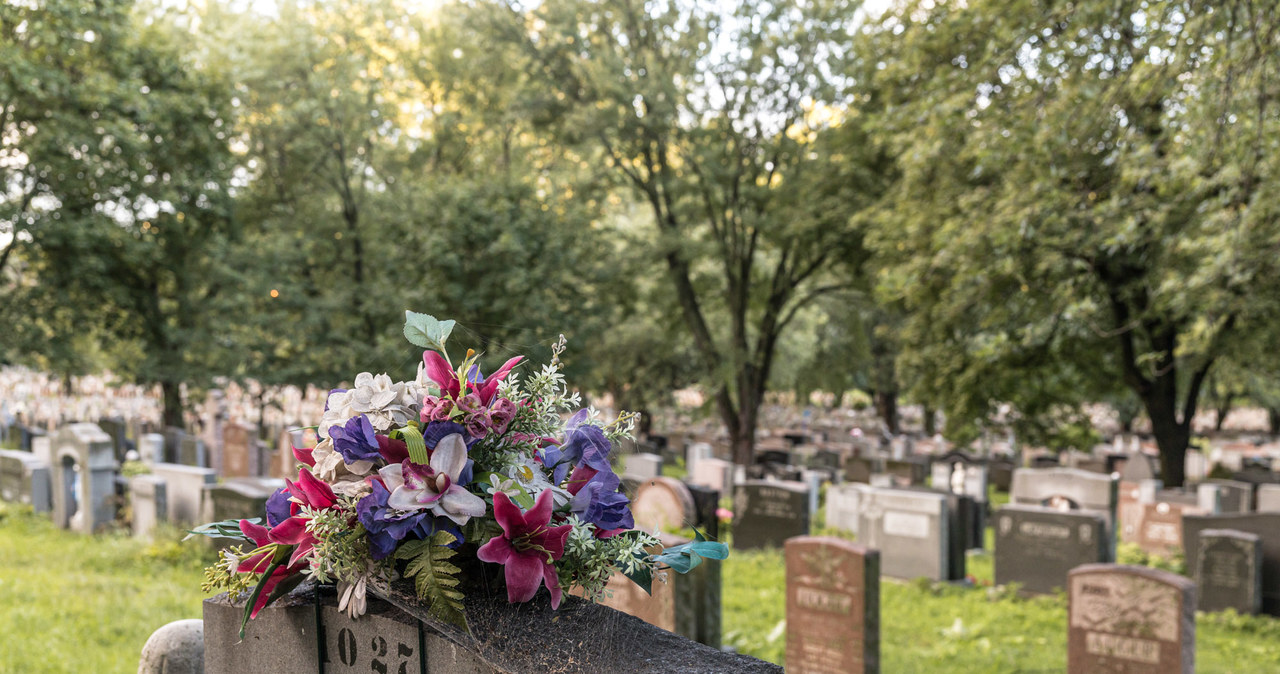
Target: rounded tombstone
662	503
176	648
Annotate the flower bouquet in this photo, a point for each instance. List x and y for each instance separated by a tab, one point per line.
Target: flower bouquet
409	479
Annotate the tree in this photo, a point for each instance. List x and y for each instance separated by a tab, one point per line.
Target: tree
710	118
1085	198
116	180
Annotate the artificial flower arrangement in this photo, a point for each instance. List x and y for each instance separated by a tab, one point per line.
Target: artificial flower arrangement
450	463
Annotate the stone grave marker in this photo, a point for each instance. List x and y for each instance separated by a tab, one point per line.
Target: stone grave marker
1256	475
151	448
83	478
1161	530
1130	620
115	429
906	473
766	514
25	479
713	473
1129	508
696	452
184	489
859	469
844	506
237	461
1265	525
191	452
833	607
1068	489
664	504
911	531
382	640
1037	546
237	498
1235	496
173	444
1138	467
1229	571
643	466
1269	498
149	502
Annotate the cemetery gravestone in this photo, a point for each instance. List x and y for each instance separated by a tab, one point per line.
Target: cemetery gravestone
1161	530
1265	525
173	444
184	489
1269	498
236	460
25	479
911	531
151	448
1130	620
150	503
716	474
1037	547
644	466
191	451
766	514
662	504
859	469
1001	474
83	477
833	607
1139	467
1235	497
1068	489
1229	571
844	506
905	473
1129	510
382	640
115	429
237	498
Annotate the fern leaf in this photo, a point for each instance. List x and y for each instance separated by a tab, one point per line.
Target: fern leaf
434	579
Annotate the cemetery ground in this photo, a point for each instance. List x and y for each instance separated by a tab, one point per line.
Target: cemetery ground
87	603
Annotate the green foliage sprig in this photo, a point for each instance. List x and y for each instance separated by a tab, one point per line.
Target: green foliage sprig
435	578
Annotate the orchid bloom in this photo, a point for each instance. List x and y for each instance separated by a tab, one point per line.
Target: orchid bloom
414	486
260	562
440	372
308	491
526	548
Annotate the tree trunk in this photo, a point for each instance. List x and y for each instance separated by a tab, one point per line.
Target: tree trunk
172	404
930	421
1273	420
1172	436
1222	410
887	408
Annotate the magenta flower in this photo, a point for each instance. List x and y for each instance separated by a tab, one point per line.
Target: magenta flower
442	374
435	486
526	548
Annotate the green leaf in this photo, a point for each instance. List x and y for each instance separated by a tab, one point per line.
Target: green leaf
642	575
223	529
426	331
435	578
685	557
412	437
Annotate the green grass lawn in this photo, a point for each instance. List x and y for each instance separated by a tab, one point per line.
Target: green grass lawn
73	603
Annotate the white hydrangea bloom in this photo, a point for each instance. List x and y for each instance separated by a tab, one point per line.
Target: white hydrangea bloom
388	405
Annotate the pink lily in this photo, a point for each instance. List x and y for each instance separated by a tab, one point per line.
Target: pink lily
526	548
439	370
260	562
414	486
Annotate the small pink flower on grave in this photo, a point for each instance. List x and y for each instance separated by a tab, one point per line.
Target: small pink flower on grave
724	514
527	547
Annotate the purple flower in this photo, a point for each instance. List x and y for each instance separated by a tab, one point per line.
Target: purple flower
501	413
356	440
479	423
387	526
278	507
596	499
585	444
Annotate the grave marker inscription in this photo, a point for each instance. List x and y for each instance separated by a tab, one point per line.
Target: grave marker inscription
833	607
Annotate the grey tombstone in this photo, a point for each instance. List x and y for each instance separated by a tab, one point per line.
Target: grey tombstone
715	474
1069	489
191	451
151	448
844	506
766	514
115	429
238	456
1036	547
1229	571
644	466
1269	498
173	444
1235	496
859	469
42	450
184	490
911	530
383	640
150	503
906	472
697	452
83	478
238	498
1139	467
960	475
1130	620
25	479
1001	474
1265	525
